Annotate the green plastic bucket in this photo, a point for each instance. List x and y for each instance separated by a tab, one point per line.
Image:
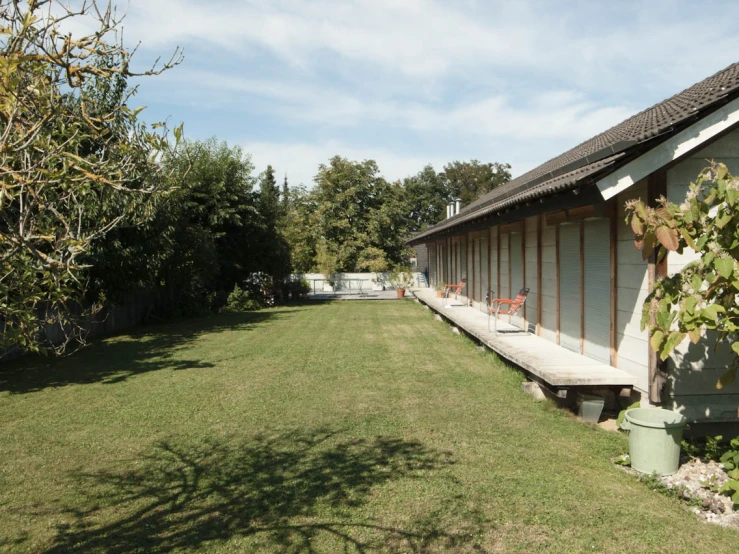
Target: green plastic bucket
654	439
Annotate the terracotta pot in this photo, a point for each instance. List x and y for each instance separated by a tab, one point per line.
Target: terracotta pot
438	293
401	293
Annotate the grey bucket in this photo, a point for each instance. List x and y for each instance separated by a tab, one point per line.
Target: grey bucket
654	439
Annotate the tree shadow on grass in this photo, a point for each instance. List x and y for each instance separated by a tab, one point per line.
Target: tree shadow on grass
148	348
292	492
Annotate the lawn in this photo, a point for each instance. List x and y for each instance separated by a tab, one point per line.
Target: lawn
337	427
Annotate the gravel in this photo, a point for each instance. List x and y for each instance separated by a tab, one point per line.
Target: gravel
699	480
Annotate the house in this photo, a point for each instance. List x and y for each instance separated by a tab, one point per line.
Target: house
560	230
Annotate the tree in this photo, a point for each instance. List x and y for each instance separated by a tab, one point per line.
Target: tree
357	209
426	197
299	229
211	230
702	296
470	180
275	252
75	161
285	196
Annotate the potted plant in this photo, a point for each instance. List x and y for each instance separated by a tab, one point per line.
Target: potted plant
401	279
439	290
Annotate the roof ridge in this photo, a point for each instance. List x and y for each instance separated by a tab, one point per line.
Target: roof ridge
620	138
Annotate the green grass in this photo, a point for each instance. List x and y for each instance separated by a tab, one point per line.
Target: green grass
341	427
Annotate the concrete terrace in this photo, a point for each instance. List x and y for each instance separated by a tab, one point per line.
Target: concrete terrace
545	361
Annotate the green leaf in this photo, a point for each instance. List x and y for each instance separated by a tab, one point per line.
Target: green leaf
723	219
655	340
688	239
696	282
724	267
674	338
711	312
690	304
645	314
735	347
650	241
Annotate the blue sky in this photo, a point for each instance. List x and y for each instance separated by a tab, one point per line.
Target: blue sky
410	82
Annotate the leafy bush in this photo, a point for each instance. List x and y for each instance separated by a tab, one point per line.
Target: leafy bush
730	459
401	278
702	295
243	301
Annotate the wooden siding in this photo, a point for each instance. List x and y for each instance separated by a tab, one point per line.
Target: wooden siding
694	369
597	297
517	272
532	273
569	286
504	268
633	288
484	269
548	282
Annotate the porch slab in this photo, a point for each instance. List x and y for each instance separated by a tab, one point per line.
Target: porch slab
553	364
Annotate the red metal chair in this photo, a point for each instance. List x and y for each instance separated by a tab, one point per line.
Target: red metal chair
514	306
452	288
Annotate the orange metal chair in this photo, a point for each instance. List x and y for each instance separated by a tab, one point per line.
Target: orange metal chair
514	306
452	288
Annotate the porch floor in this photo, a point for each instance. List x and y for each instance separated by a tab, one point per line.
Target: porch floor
550	362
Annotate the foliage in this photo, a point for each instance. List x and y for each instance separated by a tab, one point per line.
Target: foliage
365	220
401	278
622	413
372	259
702	296
730	459
298	228
210	229
240	300
470	180
326	261
427	197
273	253
356	209
75	161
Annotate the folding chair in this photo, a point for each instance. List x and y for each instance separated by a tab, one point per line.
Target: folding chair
514	306
451	288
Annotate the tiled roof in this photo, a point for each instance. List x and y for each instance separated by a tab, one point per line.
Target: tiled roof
600	152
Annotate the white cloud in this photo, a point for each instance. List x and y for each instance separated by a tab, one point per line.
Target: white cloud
511	81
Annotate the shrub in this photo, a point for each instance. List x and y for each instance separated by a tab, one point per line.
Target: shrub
243	301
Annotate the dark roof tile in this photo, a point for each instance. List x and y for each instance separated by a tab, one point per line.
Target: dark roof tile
600	151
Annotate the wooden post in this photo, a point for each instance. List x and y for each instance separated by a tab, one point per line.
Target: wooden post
490	251
510	270
656	187
497	240
524	319
539	220
473	277
556	271
614	283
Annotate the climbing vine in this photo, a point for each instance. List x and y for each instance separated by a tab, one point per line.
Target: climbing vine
703	295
